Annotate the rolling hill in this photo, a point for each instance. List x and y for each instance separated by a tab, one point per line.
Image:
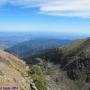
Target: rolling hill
33	47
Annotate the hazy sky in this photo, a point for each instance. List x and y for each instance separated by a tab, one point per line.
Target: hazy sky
45	15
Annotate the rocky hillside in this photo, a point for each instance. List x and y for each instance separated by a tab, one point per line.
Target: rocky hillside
67	68
12	73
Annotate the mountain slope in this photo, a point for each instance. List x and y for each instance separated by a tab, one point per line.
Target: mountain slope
78	45
70	63
12	73
33	47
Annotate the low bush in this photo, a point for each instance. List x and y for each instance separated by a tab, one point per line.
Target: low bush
38	76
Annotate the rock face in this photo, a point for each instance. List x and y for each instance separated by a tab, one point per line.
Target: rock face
12	73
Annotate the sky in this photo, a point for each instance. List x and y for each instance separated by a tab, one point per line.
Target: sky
66	16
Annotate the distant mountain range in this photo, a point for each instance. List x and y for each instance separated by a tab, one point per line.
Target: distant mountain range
8	39
32	47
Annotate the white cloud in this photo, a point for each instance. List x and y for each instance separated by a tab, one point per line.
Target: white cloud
67	8
56	7
3	2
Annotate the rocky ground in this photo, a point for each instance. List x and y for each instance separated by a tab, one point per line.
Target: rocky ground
12	73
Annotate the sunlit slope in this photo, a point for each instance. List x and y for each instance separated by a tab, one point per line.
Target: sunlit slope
12	72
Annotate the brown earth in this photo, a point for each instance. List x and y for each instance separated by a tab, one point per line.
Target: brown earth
12	73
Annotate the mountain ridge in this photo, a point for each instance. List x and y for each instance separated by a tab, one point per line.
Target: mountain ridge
33	47
74	64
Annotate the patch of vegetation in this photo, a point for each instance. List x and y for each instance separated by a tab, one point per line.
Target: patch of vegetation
53	56
38	76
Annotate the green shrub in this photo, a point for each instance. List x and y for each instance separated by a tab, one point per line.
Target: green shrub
39	77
